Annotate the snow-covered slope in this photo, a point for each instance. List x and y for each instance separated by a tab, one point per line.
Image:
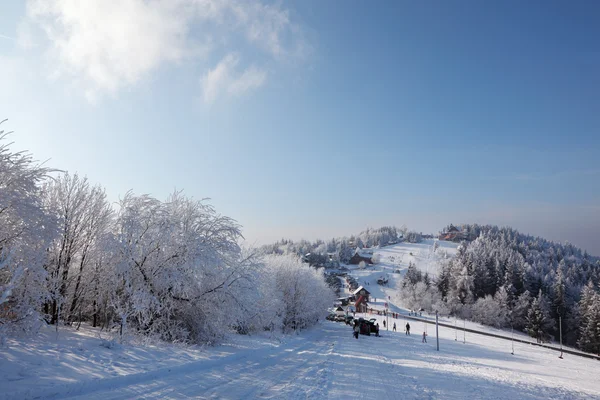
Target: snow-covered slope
426	256
325	362
396	258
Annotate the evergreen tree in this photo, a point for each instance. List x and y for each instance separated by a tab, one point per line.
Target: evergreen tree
590	328
464	287
589	306
539	322
559	301
443	281
520	311
427	280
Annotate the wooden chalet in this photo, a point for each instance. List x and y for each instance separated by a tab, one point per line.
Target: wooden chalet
361	255
362	298
453	235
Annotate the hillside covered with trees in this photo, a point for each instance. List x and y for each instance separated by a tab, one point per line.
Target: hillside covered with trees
505	278
343	247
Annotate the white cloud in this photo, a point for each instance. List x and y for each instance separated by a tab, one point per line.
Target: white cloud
110	43
105	45
251	78
223	78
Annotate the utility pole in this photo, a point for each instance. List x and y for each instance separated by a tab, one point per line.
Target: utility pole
455	331
437	336
560	330
512	342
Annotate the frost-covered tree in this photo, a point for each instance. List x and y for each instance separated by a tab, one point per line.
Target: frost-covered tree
301	293
589	307
376	258
539	322
490	311
26	230
83	214
413	237
178	268
520	311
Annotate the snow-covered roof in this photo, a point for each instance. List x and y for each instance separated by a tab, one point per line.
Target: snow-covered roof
367	253
359	289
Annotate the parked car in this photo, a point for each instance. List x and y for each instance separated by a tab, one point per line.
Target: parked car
367	327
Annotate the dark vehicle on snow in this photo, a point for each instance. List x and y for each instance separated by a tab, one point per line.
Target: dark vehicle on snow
367	327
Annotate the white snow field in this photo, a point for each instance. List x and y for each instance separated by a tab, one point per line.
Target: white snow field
324	362
422	255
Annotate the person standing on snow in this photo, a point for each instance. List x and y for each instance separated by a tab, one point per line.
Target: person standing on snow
424	337
356	330
407	328
394	327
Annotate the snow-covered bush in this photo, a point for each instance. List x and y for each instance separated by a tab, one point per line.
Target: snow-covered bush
300	294
488	311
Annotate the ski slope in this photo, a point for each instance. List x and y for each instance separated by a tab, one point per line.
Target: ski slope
325	362
397	258
422	255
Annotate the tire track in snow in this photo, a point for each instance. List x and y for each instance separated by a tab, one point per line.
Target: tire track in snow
296	370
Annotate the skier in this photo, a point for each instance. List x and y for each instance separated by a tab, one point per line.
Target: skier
377	330
424	337
356	330
407	328
394	327
384	323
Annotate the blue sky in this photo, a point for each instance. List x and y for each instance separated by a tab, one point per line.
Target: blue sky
318	119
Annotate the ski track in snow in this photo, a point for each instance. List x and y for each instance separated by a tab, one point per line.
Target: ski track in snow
297	370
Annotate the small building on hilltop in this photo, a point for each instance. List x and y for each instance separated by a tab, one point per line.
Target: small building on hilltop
453	234
365	255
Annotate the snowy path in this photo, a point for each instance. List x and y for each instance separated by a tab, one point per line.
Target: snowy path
289	371
327	363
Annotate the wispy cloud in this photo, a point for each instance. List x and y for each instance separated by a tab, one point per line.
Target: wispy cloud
224	78
105	45
7	37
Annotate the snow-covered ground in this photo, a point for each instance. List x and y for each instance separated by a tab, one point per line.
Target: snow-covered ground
325	362
422	255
